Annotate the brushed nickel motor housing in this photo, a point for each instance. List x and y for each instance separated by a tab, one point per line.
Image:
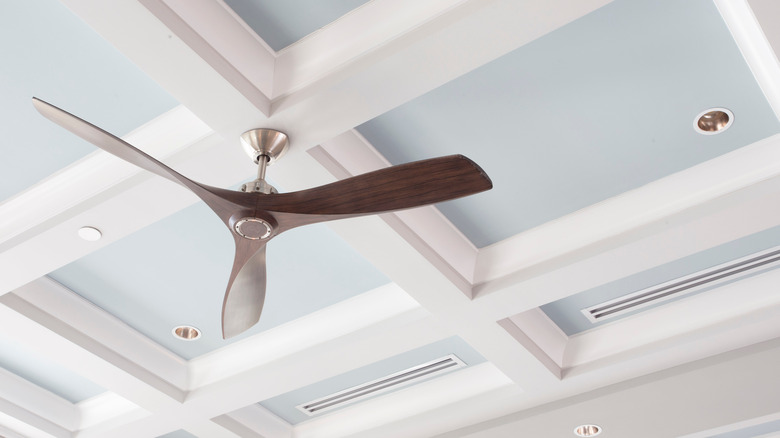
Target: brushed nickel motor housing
253	228
263	141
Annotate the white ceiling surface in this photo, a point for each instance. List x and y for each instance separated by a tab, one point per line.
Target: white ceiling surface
700	366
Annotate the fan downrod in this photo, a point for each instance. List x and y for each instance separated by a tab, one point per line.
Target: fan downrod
264	146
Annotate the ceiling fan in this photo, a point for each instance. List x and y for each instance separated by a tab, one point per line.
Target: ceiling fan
258	213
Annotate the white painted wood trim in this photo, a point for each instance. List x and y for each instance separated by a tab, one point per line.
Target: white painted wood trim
739	304
35	405
221	38
255	419
632	210
350	38
752	42
384	305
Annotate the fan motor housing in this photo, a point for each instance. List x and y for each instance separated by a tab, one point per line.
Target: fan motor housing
253	228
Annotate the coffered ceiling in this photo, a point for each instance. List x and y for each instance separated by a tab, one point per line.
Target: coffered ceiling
582	113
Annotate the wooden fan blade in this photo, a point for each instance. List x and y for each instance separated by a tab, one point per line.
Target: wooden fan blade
223	202
245	293
393	188
108	142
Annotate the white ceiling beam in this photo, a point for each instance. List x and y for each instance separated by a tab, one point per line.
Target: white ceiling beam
209	429
350	38
449	389
310	366
318	363
225	42
35	417
12	427
79	352
630	211
751	38
723	220
45	409
398	259
682	400
753	299
60	303
255	419
386	315
107	410
740	209
383	307
145	39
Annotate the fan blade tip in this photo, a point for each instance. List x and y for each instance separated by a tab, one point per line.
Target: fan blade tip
39	104
485	177
227	335
230	330
233	330
43	107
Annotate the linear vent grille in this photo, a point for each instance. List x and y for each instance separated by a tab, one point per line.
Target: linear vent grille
382	385
683	286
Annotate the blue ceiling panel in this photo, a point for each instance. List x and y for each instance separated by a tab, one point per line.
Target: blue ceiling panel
598	107
64	62
281	23
174	272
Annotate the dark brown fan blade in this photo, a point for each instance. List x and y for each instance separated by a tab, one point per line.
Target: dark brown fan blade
394	188
223	202
245	293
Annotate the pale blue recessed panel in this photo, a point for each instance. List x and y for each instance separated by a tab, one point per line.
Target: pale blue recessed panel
758	430
566	312
31	366
50	53
284	405
175	272
599	107
281	23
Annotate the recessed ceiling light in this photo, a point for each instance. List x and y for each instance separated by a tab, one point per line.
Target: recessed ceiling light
90	233
713	121
186	332
587	430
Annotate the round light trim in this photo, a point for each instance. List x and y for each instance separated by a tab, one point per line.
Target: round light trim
186	332
587	430
253	228
90	233
713	121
